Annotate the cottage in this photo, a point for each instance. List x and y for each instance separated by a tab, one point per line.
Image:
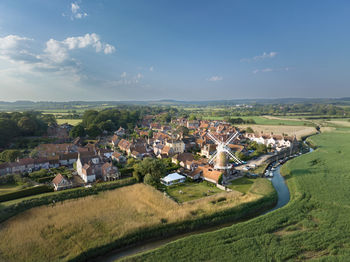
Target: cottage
110	172
60	183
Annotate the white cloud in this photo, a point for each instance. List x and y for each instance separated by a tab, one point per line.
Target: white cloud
260	57
58	50
215	78
123	75
139	76
266	70
151	69
76	11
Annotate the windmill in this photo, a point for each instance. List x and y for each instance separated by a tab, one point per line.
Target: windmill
222	151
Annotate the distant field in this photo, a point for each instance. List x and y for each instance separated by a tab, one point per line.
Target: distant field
73	122
262	120
314	225
299	131
63	231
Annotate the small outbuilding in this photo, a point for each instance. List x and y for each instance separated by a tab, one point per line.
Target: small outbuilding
172	179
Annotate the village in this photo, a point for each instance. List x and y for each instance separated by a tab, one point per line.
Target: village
187	147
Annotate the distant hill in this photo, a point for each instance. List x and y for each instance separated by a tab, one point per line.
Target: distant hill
71	105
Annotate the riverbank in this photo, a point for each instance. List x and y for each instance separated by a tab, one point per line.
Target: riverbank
314	224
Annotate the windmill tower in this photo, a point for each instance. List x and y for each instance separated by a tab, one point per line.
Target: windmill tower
222	153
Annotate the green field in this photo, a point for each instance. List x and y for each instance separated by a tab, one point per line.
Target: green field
260	120
8	188
242	184
72	122
314	225
191	191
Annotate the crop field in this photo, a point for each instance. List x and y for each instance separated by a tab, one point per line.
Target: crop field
65	230
299	131
72	122
314	225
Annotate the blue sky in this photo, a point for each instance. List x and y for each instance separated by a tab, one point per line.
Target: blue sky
61	50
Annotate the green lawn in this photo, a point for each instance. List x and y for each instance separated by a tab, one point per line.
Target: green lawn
242	184
8	188
191	190
314	225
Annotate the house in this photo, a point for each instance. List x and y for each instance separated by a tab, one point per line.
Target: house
184	160
118	157
211	175
172	179
110	172
60	183
115	141
178	146
47	150
208	150
195	174
104	152
193	124
120	132
89	168
124	146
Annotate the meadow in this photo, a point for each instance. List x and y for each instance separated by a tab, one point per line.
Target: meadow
67	229
190	191
314	225
72	122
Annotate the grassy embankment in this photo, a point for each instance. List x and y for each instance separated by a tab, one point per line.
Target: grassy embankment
95	224
313	225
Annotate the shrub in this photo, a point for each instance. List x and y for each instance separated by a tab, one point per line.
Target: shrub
25	192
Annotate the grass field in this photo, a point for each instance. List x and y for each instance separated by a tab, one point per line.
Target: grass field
314	225
8	188
242	184
263	120
190	191
63	231
72	122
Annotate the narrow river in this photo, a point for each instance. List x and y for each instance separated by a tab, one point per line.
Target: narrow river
283	198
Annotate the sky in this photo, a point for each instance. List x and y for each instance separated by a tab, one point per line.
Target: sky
112	50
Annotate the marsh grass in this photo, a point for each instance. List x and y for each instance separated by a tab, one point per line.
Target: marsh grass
67	229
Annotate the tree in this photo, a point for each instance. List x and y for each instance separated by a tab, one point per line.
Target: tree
154	167
76	131
10	155
93	131
150	180
150	133
27	125
192	117
249	130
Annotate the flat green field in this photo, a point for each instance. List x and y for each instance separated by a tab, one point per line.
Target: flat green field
242	184
72	122
261	120
8	188
314	225
191	191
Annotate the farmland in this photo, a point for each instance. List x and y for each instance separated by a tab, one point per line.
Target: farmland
69	228
314	224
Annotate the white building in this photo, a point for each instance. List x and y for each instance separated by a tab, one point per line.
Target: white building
172	179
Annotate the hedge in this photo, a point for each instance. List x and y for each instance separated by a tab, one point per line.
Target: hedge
11	210
25	192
